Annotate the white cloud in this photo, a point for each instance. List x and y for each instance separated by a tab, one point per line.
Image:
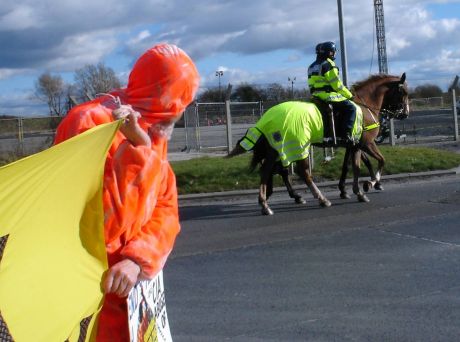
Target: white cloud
20	18
6	73
76	51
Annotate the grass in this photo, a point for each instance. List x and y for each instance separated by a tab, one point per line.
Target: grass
213	174
219	174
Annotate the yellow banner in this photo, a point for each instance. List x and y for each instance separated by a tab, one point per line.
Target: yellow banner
51	229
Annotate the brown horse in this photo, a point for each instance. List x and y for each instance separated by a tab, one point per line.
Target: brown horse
378	93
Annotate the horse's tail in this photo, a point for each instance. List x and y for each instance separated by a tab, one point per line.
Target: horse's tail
246	143
237	150
259	152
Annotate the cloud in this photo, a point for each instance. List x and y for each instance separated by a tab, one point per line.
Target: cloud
19	18
22	104
62	36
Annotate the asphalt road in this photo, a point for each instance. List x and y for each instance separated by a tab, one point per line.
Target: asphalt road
388	270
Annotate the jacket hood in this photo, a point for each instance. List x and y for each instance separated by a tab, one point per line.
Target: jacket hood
162	83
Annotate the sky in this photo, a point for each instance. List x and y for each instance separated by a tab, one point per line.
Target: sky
258	42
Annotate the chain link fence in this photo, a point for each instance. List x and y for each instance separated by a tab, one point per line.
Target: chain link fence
21	136
430	120
203	127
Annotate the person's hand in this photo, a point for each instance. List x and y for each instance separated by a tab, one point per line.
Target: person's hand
121	278
130	127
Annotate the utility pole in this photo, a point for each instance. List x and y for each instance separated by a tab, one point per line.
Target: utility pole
381	41
343	45
220	73
292	80
382	51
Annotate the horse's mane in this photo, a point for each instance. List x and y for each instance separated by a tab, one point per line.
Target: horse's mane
371	80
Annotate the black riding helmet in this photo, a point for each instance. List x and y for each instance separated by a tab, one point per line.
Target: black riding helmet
326	49
317	48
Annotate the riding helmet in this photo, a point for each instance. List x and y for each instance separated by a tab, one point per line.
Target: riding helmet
327	49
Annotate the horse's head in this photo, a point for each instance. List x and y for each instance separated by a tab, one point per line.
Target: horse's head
396	100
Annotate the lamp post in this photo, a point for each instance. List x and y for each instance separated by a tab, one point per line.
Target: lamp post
292	80
219	73
343	45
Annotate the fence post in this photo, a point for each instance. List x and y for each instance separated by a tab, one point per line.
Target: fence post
197	128
187	145
229	126
229	118
454	107
392	132
21	136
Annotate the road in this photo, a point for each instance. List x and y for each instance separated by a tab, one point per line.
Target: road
388	270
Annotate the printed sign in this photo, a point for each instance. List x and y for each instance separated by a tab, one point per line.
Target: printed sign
148	321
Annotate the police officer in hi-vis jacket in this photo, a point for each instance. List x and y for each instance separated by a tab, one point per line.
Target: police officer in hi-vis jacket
325	85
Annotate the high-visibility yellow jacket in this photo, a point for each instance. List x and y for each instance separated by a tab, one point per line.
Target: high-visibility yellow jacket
324	82
290	127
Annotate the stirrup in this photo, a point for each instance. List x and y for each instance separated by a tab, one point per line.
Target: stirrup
328	140
328	157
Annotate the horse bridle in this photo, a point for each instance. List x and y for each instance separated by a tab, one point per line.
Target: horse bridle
393	110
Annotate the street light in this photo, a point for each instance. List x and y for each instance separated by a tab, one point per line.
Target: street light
292	80
219	73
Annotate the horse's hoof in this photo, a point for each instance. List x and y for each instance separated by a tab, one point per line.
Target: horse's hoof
367	186
267	212
363	198
300	200
378	186
344	195
325	203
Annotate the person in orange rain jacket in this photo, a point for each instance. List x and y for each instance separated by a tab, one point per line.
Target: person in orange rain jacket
139	190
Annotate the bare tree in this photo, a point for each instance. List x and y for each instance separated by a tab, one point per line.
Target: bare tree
276	92
52	90
246	93
95	79
210	95
427	90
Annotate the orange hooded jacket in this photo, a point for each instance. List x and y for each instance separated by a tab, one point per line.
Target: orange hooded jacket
139	191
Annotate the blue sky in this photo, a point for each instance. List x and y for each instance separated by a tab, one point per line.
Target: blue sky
257	42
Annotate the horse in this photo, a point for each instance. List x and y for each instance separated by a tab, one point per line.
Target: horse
378	93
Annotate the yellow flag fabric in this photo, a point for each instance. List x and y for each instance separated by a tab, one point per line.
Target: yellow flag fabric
51	217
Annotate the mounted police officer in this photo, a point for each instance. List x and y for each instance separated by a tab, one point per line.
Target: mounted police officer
325	85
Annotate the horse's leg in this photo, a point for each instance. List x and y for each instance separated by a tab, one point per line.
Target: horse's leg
303	170
356	163
343	176
287	182
269	190
266	172
368	184
372	149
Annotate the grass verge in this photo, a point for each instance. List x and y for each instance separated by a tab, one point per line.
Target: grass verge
219	174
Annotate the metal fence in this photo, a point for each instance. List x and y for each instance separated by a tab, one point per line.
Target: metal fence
204	127
24	136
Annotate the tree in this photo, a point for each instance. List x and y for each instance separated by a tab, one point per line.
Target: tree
247	93
426	91
210	95
52	90
95	79
275	92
